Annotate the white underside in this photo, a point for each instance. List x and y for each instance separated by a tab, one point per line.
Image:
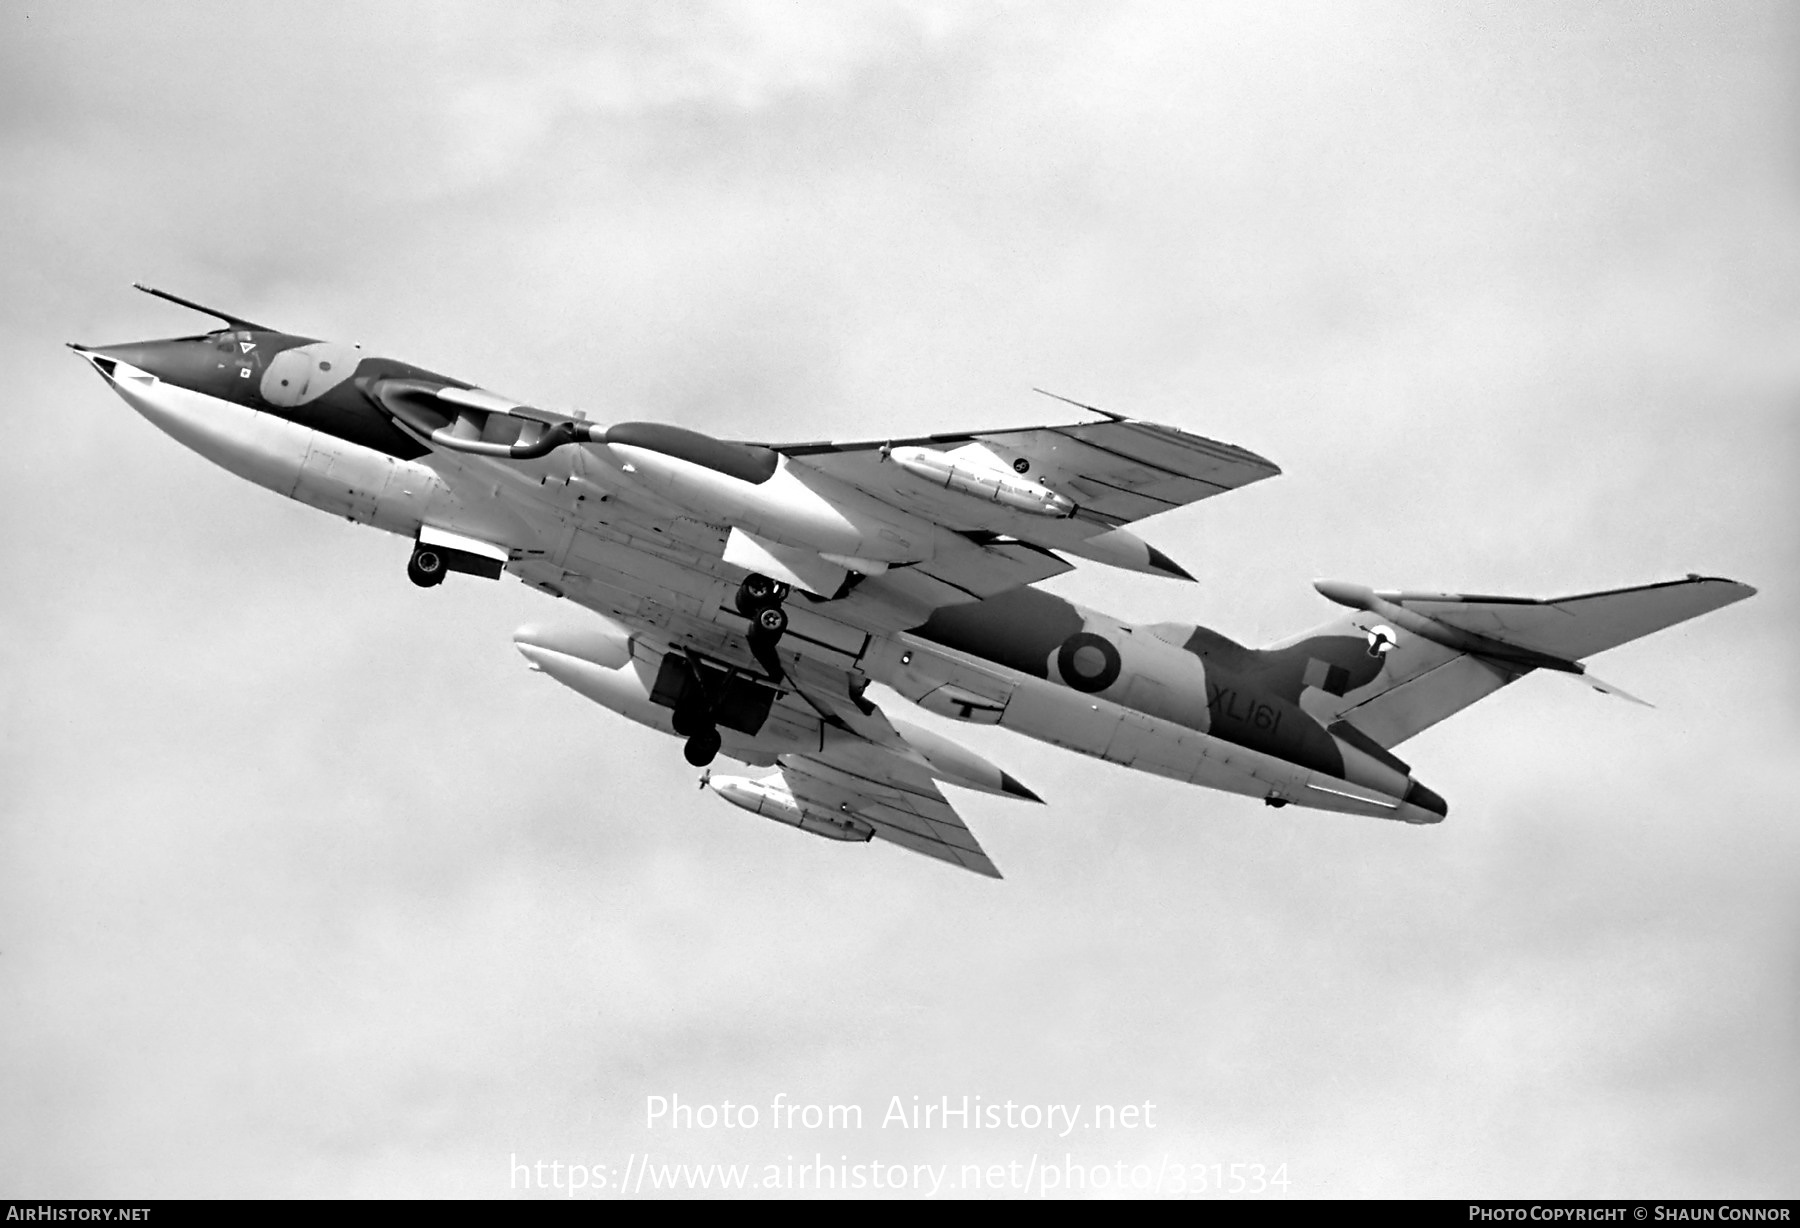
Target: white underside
331	474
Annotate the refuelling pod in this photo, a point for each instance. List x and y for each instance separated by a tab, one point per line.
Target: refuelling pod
771	798
980	479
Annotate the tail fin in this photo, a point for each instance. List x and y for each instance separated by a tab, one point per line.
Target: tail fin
1440	652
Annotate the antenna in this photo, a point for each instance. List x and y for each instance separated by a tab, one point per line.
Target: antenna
1092	409
234	321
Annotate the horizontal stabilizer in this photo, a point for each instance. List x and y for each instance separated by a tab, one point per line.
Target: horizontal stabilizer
1571	628
1440	652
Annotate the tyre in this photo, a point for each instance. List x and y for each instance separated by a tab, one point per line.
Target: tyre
759	589
772	621
426	567
700	749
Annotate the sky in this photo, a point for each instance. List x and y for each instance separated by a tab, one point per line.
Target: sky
309	888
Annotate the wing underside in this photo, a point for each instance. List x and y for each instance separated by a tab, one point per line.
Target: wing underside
903	807
849	770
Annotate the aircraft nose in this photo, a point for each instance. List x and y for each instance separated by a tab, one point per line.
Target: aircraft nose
175	362
103	362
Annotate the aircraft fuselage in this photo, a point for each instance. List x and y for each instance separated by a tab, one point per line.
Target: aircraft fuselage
641	527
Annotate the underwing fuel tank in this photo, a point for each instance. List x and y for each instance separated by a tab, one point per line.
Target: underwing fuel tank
771	798
595	661
602	642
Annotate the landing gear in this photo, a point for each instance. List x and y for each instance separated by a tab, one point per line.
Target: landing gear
759	599
702	746
426	567
770	621
693	720
758	592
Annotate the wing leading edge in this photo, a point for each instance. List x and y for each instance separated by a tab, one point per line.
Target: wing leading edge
1118	471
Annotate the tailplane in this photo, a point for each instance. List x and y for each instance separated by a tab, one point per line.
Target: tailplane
1437	653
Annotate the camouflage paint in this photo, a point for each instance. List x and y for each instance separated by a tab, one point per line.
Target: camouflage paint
235	364
1020	629
1253	694
1336	664
1252	697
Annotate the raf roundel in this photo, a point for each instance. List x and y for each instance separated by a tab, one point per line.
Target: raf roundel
1088	662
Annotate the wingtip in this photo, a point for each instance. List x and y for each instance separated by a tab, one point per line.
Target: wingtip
1694	577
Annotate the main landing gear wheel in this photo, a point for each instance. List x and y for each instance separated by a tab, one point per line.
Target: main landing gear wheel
702	746
759	599
426	567
759	592
770	622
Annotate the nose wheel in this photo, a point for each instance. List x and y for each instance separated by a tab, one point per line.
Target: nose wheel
426	567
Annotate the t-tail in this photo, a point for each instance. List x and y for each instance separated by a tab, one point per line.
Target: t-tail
1437	653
